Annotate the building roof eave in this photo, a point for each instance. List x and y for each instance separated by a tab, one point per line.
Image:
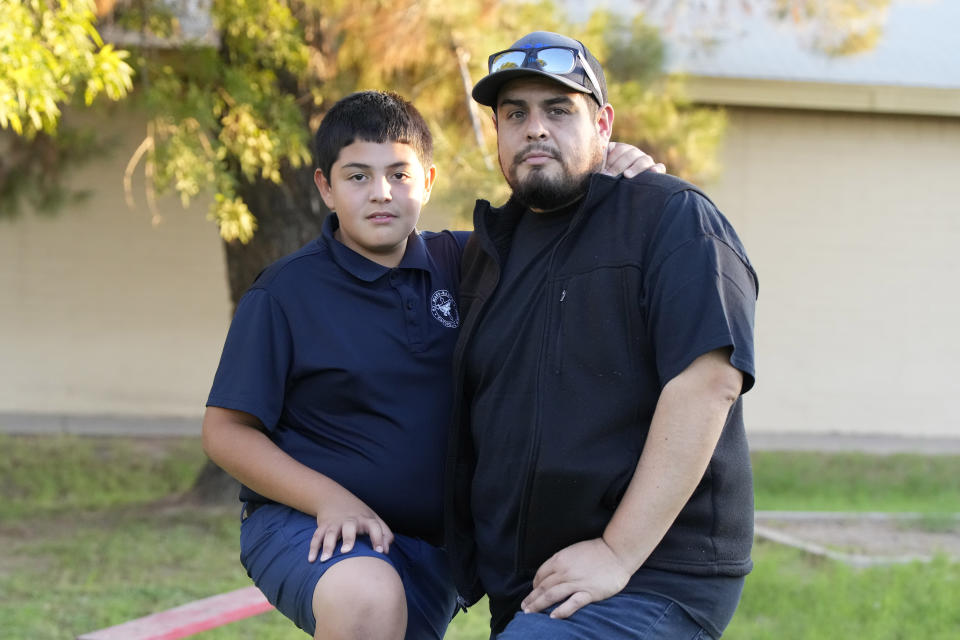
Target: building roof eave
759	92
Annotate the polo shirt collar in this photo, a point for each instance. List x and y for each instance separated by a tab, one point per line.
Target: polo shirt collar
415	256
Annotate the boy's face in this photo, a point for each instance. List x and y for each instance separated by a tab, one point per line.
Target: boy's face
377	190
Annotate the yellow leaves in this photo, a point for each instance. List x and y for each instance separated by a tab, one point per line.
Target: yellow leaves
837	28
262	30
233	217
660	121
49	54
12	120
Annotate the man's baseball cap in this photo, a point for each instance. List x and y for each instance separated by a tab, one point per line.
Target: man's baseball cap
544	54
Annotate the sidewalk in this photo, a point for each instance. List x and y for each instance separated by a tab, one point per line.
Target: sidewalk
863	443
51	424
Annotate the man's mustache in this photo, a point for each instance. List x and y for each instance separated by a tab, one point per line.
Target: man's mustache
539	148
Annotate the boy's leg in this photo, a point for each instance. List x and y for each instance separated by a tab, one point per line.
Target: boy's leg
431	596
625	616
409	588
360	597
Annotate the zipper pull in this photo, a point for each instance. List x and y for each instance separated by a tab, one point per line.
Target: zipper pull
563	295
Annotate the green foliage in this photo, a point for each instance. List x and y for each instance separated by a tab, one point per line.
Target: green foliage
242	113
650	111
834	28
86	547
632	52
226	116
31	168
662	122
69	473
221	116
48	55
793	596
70	575
810	481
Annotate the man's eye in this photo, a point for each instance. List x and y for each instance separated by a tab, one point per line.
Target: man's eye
400	176
515	115
356	177
558	111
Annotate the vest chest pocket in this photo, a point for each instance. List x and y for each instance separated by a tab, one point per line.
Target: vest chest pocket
595	324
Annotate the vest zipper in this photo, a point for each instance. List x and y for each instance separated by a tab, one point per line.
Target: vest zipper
543	363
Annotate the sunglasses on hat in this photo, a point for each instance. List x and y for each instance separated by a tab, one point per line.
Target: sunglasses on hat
552	59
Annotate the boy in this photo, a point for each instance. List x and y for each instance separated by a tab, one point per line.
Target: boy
338	359
333	394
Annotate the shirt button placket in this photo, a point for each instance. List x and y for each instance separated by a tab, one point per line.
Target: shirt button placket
409	301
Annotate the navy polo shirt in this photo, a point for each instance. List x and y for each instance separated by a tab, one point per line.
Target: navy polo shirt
347	365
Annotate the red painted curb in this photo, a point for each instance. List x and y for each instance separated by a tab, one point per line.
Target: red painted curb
188	619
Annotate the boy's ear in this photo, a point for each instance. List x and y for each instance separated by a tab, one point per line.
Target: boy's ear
429	177
323	186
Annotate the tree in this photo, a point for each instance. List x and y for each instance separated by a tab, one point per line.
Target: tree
49	56
834	28
231	115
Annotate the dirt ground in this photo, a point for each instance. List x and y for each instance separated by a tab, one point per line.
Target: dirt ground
875	538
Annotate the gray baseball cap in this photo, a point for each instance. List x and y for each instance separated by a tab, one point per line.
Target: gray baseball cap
544	54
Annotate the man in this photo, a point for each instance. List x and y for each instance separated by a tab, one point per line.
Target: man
598	478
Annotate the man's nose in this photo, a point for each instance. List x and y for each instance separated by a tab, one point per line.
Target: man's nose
535	128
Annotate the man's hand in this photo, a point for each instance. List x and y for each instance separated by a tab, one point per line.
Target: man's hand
628	160
575	576
345	518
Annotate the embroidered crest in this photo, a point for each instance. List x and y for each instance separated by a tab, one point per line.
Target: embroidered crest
444	308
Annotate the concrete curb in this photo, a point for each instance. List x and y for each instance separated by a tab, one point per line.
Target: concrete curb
864	443
179	426
853	559
56	424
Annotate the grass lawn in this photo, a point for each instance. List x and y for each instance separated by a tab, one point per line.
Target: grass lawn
806	481
93	535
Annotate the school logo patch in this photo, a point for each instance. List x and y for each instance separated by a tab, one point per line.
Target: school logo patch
444	308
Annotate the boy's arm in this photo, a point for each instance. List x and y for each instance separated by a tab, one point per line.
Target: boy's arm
234	441
626	159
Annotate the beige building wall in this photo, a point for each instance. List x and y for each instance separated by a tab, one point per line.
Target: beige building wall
103	313
853	223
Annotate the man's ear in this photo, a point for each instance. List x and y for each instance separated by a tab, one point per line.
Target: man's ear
323	186
605	122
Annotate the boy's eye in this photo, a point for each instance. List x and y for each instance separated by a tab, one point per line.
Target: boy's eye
400	175
356	177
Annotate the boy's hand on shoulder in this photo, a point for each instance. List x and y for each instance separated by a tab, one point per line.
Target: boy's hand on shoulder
345	518
626	159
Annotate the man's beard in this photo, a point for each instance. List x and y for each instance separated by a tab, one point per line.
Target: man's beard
544	191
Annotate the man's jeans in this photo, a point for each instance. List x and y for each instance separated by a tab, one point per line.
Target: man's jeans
626	616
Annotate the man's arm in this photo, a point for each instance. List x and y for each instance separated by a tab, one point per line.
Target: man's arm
234	441
684	432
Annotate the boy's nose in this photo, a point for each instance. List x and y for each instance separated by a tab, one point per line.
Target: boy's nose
380	190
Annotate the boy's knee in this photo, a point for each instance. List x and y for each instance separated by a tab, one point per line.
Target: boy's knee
360	598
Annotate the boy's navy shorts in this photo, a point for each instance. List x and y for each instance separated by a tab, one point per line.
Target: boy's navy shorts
275	539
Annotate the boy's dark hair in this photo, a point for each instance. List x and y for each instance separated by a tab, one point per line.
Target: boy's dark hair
371	116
